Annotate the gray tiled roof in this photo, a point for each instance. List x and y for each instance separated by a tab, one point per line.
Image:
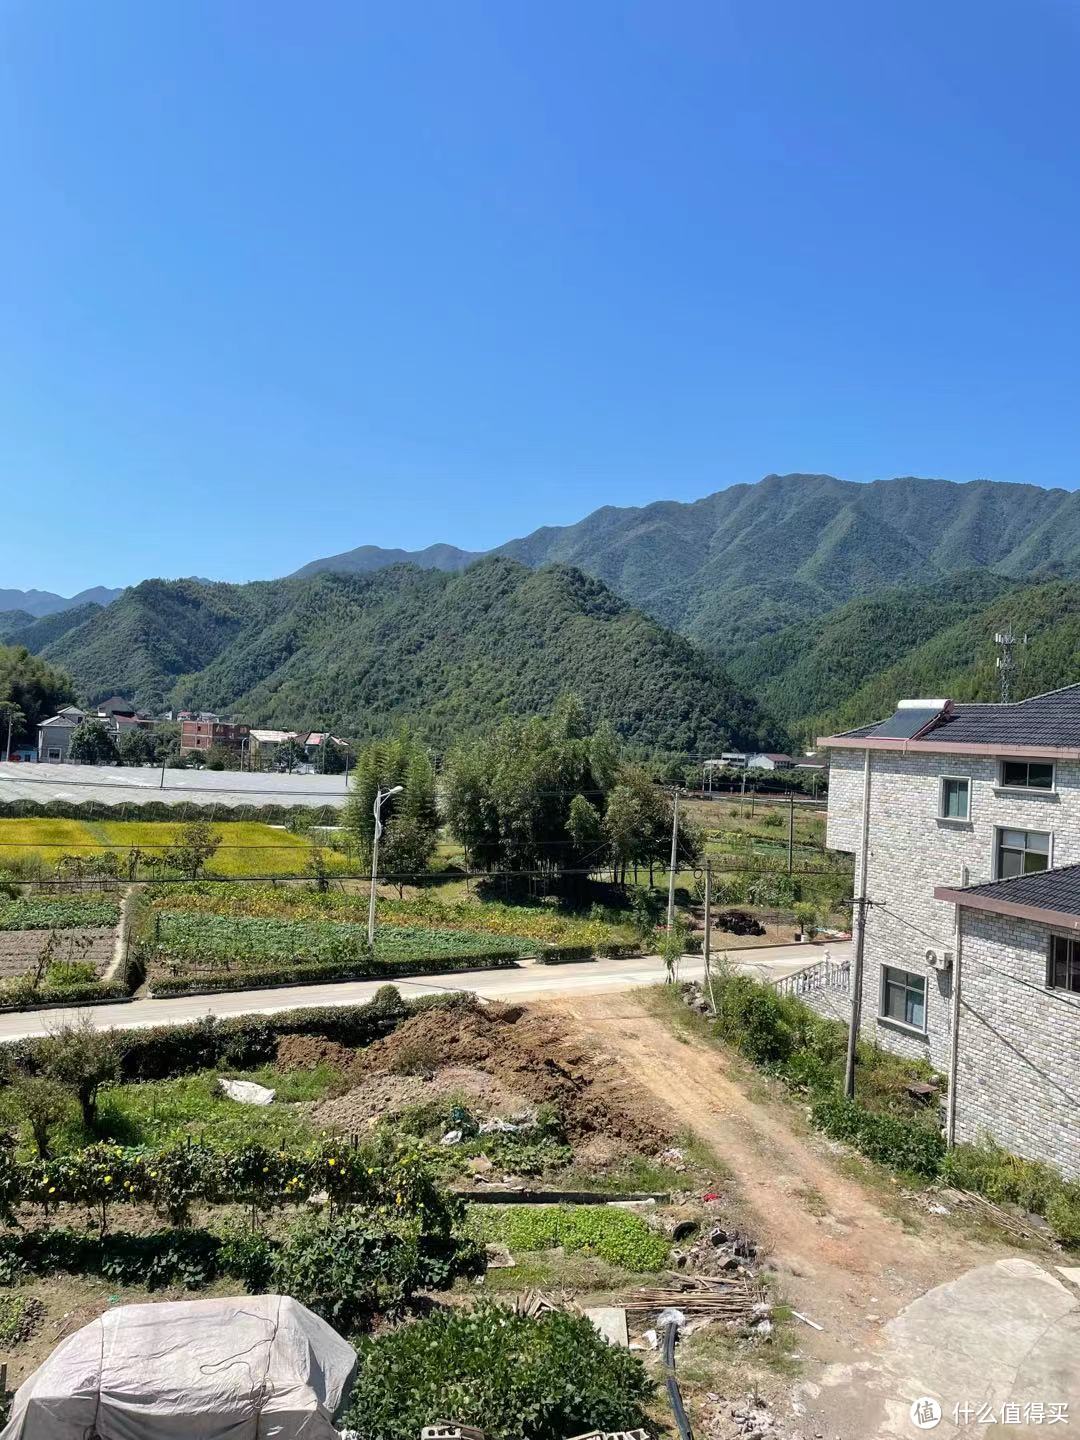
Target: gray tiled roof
1052	719
1046	890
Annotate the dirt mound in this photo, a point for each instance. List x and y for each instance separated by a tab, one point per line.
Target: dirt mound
305	1052
384	1095
533	1056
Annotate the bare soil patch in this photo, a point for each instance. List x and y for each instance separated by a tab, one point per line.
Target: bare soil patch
533	1056
20	949
380	1096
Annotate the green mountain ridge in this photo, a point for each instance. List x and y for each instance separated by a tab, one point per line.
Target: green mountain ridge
849	667
39	633
752	559
449	653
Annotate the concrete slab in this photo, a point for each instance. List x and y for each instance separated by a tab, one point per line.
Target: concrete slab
1071	1273
610	1321
1002	1335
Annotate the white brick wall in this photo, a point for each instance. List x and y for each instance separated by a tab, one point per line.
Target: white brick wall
911	851
1019	1076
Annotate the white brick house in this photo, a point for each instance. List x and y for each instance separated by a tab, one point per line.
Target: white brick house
973	854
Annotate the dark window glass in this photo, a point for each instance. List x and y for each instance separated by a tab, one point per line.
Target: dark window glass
954	799
1063	972
1027	775
903	997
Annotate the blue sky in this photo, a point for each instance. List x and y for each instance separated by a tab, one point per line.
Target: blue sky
279	279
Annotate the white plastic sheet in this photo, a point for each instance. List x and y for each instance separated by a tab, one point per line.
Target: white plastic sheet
259	1367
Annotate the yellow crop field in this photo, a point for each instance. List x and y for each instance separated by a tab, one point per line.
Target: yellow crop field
247	847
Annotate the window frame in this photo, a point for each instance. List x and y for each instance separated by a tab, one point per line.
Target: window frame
885	1018
999	831
1072	961
1027	788
942	814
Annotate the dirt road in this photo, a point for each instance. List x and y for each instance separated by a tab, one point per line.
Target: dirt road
848	1256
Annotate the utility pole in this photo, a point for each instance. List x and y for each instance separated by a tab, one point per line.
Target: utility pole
674	861
790	830
954	1018
381	796
707	943
860	938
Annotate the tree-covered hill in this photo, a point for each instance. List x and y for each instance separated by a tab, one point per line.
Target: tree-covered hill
37	634
872	654
811	668
13	620
450	653
747	561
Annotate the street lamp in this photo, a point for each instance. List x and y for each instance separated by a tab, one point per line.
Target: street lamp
381	797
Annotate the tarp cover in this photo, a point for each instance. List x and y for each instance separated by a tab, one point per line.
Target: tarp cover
261	1367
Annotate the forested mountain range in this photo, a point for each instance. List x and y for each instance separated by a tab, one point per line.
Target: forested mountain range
852	666
37	634
822	600
449	653
12	620
749	560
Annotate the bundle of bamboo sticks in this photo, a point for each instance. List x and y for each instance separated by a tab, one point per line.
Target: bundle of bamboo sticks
730	1296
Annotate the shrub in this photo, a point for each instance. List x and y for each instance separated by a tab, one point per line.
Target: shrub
83	1058
153	1262
991	1171
349	1266
518	1378
1063	1212
42	1103
911	1144
755	1020
248	1255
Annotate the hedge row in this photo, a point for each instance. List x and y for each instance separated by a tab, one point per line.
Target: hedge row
22	993
565	954
244	1042
183	810
345	1268
369	968
386	1177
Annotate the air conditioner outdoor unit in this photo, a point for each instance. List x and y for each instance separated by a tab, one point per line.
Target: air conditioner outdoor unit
939	959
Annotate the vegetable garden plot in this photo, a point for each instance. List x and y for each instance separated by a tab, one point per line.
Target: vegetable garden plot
192	942
21	949
44	912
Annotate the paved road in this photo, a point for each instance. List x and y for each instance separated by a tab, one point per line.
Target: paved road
527	981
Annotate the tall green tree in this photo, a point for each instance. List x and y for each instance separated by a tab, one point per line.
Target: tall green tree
34	688
289	754
93	744
527	796
410	819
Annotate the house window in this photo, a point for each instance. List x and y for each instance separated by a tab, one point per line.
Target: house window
1027	775
903	997
1021	852
1063	971
955	797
